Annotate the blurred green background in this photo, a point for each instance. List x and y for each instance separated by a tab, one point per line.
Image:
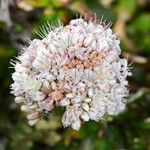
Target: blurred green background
19	19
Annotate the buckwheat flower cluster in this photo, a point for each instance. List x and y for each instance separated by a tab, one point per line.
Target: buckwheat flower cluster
77	67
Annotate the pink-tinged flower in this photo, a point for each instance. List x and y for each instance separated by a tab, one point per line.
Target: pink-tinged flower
77	67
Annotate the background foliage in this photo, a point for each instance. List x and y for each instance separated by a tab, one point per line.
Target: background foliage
128	131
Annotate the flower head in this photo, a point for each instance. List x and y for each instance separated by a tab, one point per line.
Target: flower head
77	67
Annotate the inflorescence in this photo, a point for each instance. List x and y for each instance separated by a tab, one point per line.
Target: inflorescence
76	66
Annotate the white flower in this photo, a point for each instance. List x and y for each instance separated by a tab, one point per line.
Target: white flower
77	67
71	117
85	116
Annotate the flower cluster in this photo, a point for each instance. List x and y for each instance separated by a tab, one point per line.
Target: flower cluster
77	67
